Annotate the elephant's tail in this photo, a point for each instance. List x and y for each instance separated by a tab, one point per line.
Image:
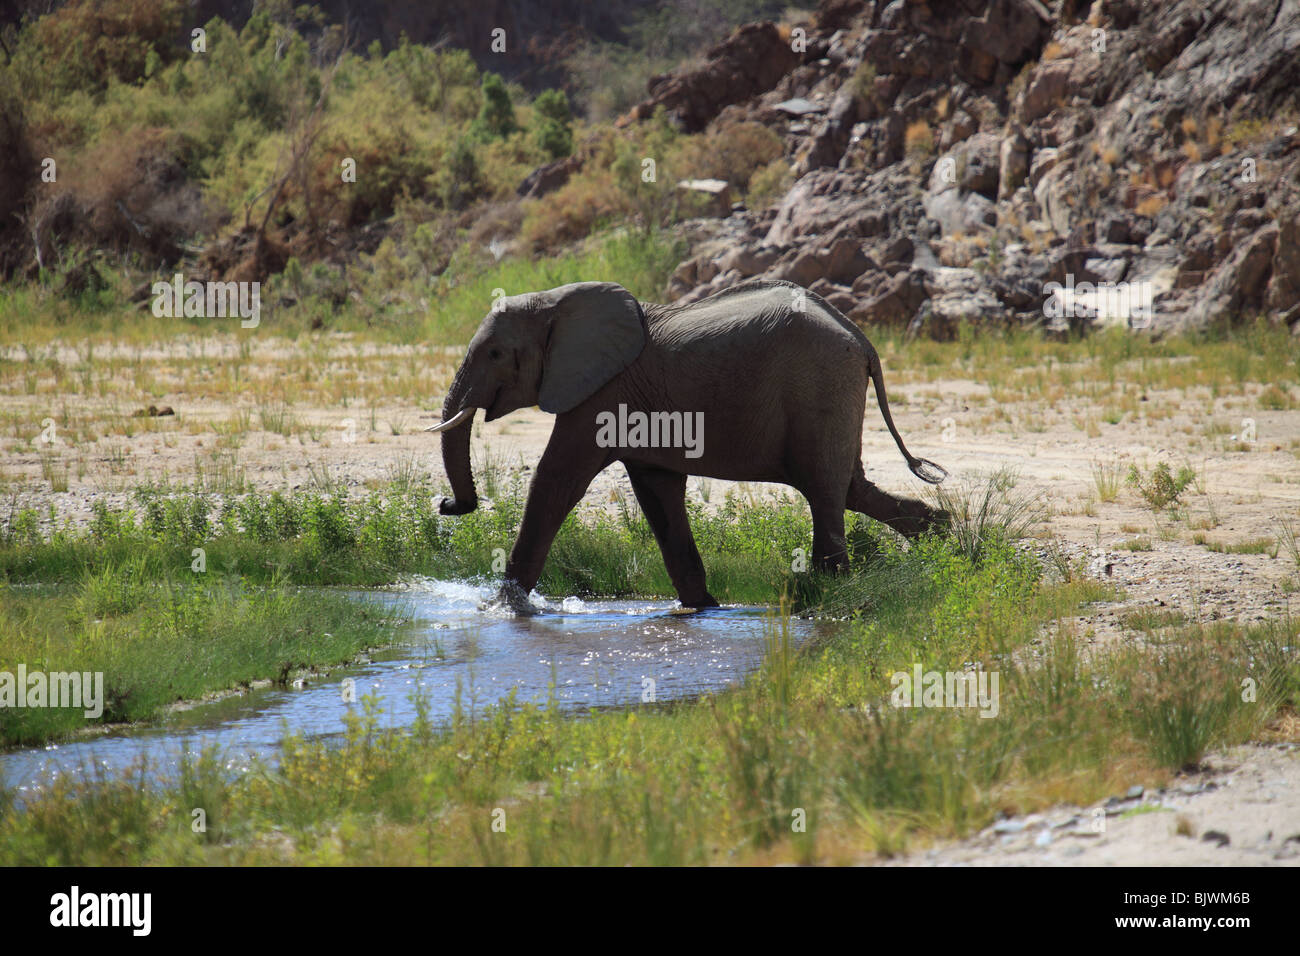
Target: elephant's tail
923	468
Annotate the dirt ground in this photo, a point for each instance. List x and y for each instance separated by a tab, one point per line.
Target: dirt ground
1244	492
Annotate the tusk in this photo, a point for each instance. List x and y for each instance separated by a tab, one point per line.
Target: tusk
456	419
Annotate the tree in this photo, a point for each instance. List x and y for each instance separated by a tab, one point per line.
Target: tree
496	117
551	123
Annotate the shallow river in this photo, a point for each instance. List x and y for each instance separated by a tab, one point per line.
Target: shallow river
597	654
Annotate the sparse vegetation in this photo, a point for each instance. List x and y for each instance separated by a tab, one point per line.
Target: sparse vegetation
1160	488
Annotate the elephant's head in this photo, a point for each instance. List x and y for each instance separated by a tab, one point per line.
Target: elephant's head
553	349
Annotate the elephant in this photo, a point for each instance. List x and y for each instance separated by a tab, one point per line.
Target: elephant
764	381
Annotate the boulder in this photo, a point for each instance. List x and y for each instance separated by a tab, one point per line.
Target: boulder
894	306
1238	285
749	62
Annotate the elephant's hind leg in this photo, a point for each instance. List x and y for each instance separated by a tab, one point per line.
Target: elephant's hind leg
662	495
905	515
830	550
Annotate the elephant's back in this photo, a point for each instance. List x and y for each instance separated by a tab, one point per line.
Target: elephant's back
763	316
772	349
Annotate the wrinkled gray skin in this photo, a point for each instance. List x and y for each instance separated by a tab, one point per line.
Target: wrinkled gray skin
779	374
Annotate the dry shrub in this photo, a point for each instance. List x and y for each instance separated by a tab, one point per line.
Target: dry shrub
919	138
732	153
99	40
769	184
500	220
388	163
127	192
1151	205
572	211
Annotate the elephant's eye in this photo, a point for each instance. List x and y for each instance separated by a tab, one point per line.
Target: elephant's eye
494	354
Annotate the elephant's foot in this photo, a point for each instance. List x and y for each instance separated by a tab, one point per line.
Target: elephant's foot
917	518
514	597
453	506
699	603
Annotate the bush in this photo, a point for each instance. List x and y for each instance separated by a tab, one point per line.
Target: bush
90	42
458	179
552	120
1160	489
496	117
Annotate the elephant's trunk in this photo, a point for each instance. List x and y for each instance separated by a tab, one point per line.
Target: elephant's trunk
455	452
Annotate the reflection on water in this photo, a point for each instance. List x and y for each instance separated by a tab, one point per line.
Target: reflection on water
596	653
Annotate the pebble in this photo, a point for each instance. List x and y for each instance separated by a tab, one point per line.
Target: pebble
1009	826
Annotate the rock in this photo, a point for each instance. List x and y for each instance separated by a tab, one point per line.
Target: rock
1010	31
960	184
1135	792
896	305
821	201
956	296
1048	87
899	250
750	260
1054	195
714	195
845	261
1283	296
750	61
799	107
831	139
548	178
979	163
957	129
803	269
1098	170
1042	163
1217	837
1013	164
1238	284
957	213
1115	228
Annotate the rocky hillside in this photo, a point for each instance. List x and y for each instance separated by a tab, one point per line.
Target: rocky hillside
951	161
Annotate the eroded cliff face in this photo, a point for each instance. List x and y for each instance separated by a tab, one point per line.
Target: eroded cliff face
1009	160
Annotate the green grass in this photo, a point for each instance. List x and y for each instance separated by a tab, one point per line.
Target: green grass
318	539
1150	619
161	637
1267	546
721	779
811	736
1136	544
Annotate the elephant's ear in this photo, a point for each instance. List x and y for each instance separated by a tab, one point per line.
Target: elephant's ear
595	331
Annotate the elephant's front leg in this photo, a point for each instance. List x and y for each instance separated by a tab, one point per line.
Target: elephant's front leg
561	479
